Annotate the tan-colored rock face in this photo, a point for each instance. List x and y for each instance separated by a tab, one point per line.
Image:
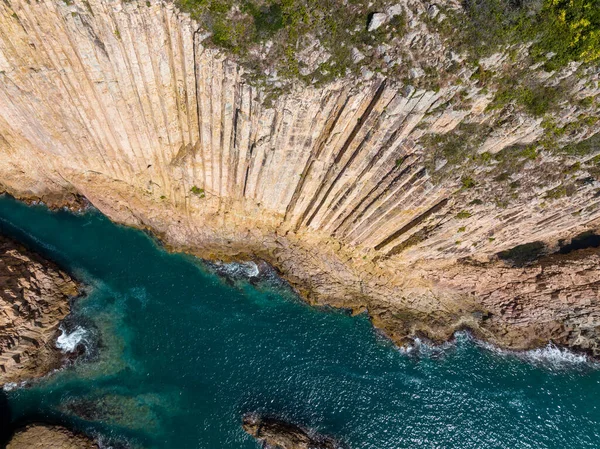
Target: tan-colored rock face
34	298
49	437
122	103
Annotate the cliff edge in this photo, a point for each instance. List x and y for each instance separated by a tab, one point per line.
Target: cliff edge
394	187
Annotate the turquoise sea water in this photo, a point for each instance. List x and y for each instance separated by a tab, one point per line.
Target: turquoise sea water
177	353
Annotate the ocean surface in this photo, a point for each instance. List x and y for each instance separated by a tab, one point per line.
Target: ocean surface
177	350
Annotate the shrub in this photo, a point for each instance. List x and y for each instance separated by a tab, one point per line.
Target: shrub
198	191
467	182
569	29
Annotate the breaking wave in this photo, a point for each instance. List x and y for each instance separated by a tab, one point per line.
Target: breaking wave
550	356
68	341
247	269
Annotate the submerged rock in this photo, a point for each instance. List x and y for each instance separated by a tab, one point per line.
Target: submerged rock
34	299
40	436
276	434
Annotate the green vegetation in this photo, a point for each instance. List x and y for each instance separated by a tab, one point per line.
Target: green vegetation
467	182
198	191
561	30
463	214
560	192
400	161
457	147
482	76
569	28
583	148
512	159
240	26
462	229
534	99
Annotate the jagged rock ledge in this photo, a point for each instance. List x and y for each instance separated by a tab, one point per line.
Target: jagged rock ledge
40	436
274	433
35	297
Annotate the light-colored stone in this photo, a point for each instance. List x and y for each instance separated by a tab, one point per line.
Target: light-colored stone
357	56
377	19
124	104
34	298
49	437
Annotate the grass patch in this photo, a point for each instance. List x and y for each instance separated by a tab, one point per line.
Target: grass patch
536	100
240	26
467	182
567	30
198	191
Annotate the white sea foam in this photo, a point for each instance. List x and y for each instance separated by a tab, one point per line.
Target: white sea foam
67	342
247	269
426	348
550	355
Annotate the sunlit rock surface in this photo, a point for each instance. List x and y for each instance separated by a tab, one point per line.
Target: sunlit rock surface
34	298
49	437
125	104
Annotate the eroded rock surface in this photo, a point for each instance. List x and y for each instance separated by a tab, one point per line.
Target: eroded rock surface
368	192
554	299
34	299
40	436
276	434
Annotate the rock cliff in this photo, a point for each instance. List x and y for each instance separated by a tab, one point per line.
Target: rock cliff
34	298
386	191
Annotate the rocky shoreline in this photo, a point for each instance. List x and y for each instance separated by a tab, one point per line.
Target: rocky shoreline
514	306
41	436
392	196
35	297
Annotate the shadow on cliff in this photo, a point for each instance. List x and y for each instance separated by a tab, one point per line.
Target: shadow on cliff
529	253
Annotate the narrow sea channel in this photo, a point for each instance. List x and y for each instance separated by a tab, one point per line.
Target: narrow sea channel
177	353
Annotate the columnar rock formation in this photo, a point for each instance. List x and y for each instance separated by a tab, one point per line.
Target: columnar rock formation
125	104
34	298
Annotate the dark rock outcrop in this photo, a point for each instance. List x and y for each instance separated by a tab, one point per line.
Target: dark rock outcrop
274	433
